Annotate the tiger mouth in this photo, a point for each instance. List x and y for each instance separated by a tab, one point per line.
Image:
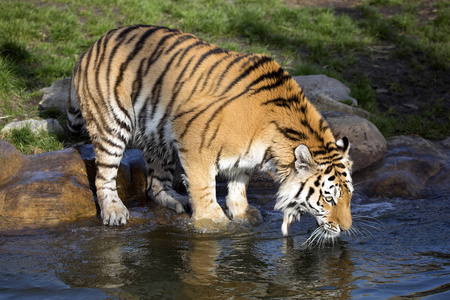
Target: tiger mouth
332	229
323	235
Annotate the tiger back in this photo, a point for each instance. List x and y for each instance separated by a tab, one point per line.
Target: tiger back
177	97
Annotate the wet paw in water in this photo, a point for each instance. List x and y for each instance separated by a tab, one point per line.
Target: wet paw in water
251	215
114	214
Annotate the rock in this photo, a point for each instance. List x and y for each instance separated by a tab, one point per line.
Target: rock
413	145
314	85
10	159
56	96
324	103
131	177
57	187
48	125
381	91
327	94
411	167
45	190
367	143
440	183
445	143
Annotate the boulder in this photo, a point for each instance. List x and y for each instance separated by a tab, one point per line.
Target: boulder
57	187
56	95
10	160
45	190
132	175
314	85
48	125
441	182
367	143
324	103
411	168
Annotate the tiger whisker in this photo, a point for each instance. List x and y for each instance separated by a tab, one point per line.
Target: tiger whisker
377	225
361	182
353	231
312	237
356	231
320	237
364	226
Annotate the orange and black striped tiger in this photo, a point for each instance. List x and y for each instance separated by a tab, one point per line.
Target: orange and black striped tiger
177	97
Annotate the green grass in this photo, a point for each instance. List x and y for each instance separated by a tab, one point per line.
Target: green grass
406	30
40	40
29	142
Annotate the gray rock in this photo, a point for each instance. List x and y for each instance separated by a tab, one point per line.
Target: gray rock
56	96
314	85
367	143
324	103
405	145
445	143
48	125
412	167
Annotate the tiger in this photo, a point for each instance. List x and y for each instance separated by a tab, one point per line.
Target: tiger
181	99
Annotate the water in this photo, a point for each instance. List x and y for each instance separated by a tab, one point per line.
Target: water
402	252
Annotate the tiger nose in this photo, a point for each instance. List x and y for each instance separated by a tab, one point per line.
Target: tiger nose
345	224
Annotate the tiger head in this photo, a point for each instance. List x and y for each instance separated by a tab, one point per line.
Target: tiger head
319	184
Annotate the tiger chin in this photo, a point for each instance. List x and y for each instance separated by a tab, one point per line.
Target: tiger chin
180	98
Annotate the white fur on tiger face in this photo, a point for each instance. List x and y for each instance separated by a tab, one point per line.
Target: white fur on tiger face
177	97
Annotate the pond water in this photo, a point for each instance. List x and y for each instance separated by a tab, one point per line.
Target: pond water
402	251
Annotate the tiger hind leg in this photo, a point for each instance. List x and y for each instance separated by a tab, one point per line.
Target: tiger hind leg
112	210
159	186
236	200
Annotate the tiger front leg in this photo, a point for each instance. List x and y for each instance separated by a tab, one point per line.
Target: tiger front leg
237	204
206	212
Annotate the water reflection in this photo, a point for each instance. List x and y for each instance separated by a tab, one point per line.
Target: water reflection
173	263
142	261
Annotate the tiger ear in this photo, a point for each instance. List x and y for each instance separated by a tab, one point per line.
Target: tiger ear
304	162
343	145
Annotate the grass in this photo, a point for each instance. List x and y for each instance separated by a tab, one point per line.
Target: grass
40	41
30	142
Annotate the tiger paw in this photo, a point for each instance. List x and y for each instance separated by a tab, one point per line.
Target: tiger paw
114	213
211	220
250	215
206	225
182	205
172	200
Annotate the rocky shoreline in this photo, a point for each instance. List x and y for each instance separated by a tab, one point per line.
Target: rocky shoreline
55	188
